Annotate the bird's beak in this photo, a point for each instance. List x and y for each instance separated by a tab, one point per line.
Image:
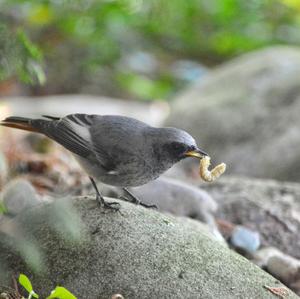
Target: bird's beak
198	153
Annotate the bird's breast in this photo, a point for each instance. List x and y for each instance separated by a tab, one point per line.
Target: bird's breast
132	170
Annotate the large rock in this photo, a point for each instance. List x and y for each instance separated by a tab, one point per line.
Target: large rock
139	253
246	113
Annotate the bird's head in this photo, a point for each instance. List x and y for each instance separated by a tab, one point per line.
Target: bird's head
177	144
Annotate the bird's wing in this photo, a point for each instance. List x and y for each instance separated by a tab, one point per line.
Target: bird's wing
67	132
73	132
118	140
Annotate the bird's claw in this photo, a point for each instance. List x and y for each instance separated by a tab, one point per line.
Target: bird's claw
149	206
108	205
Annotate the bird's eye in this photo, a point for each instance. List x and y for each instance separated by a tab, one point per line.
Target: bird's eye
179	147
176	150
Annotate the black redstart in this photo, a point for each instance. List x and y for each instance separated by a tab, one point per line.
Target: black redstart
115	150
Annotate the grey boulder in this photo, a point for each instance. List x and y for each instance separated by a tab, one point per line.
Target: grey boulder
138	253
246	113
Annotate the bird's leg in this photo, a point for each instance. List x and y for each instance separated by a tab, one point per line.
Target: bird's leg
101	201
136	200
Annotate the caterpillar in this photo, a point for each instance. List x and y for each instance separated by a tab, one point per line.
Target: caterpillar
207	175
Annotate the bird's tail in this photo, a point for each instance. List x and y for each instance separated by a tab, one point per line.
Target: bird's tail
22	123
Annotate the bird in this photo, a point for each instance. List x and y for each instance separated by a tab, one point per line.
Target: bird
113	149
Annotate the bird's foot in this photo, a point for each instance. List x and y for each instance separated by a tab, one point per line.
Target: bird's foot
136	201
114	206
149	206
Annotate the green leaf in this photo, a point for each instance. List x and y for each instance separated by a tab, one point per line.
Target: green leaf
2	208
25	283
61	293
30	49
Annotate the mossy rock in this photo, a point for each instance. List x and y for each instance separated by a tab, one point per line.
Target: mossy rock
136	252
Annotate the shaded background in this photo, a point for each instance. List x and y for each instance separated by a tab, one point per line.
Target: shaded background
132	49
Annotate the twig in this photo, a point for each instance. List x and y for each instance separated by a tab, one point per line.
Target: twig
16	289
281	292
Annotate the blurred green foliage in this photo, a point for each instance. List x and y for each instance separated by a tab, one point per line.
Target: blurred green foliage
19	57
85	41
2	208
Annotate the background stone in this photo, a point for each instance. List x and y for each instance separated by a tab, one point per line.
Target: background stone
269	207
18	195
246	113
